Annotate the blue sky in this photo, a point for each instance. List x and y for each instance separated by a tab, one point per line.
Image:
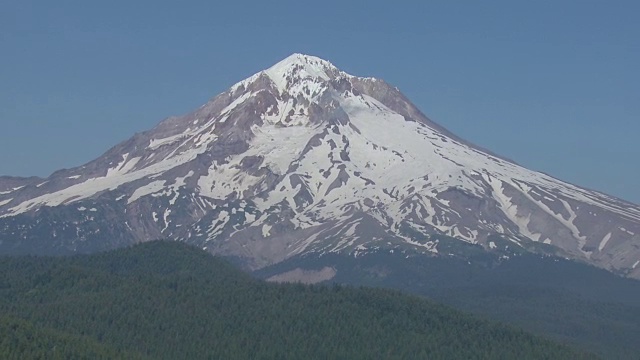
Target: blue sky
553	85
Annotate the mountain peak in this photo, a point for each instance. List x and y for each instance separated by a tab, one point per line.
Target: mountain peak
303	59
301	158
298	62
298	74
299	67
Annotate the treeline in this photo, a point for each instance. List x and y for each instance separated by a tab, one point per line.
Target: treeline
168	300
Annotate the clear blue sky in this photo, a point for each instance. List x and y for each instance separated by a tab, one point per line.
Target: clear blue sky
553	85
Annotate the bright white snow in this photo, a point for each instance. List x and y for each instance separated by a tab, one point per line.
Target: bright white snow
151	188
604	242
399	166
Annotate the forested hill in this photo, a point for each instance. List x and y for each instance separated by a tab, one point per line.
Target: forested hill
168	300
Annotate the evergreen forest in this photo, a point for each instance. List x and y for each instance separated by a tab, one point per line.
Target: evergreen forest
167	300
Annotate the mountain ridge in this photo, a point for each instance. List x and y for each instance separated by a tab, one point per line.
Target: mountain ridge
302	157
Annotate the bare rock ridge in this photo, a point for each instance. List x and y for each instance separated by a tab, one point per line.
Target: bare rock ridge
304	158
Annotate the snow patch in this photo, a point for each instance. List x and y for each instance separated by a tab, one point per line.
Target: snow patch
165	217
266	230
156	143
148	189
604	241
511	210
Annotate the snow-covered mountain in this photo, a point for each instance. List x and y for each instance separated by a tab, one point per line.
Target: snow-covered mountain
304	158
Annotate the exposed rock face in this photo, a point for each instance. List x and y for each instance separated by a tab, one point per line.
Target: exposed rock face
305	158
299	275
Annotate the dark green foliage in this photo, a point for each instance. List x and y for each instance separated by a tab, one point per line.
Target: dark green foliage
167	300
20	339
560	299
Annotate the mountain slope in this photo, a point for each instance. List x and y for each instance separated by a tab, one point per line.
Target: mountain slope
560	299
23	340
166	300
304	158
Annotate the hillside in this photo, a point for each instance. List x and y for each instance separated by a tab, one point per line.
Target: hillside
21	339
554	297
169	300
